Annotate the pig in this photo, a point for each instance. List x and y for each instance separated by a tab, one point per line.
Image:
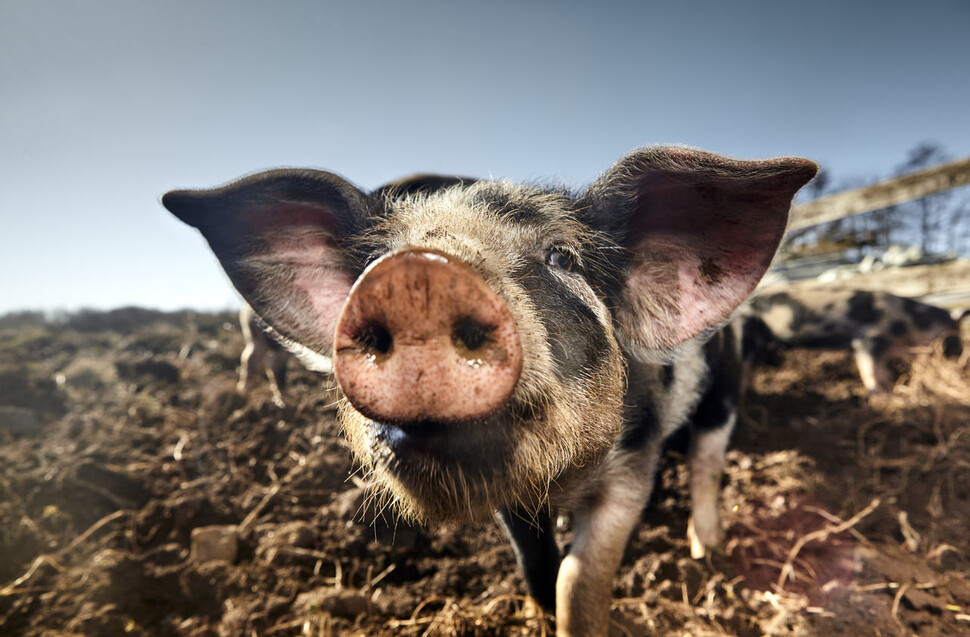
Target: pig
260	348
876	326
517	349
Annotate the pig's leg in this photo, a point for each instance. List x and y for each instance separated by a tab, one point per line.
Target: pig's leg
251	362
867	370
536	551
277	372
706	458
871	358
711	425
602	526
747	382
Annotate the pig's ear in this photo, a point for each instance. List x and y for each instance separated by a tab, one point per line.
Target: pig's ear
699	231
283	236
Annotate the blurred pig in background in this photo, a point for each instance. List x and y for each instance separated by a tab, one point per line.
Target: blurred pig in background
876	327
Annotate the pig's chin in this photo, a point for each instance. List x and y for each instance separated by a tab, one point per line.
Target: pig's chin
440	472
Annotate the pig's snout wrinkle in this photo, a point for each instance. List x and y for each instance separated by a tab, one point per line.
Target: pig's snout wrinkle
422	337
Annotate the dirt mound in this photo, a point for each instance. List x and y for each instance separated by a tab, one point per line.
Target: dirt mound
122	438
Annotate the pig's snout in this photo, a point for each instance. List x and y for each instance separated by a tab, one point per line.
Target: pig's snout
423	337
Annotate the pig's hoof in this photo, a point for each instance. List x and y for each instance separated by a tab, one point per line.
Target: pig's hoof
702	540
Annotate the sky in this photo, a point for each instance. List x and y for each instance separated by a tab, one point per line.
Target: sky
106	105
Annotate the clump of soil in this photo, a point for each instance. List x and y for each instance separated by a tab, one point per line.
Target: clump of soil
122	435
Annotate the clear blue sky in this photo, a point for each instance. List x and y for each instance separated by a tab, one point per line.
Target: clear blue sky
105	105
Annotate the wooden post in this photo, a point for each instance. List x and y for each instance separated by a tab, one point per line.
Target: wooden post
882	195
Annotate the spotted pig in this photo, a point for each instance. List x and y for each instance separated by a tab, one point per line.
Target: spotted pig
515	348
875	326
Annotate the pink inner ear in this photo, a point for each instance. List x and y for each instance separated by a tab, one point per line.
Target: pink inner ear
678	288
710	287
702	252
703	231
327	294
305	280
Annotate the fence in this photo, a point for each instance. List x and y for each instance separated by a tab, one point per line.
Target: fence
886	193
945	284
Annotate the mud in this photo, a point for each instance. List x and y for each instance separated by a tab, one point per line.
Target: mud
121	433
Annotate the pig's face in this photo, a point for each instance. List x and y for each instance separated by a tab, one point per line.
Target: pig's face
422	428
478	329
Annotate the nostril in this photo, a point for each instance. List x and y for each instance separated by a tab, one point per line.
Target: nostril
471	334
375	339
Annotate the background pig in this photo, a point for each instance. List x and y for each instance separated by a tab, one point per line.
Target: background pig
875	326
513	348
260	350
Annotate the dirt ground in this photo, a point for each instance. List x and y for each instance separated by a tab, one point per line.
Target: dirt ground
121	432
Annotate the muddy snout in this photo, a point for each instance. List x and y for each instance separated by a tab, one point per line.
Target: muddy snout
422	337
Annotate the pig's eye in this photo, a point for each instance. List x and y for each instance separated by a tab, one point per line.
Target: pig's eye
561	257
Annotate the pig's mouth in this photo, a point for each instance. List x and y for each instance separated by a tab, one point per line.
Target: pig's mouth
438	471
476	448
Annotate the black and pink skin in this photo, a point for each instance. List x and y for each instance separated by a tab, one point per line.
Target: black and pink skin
519	349
876	327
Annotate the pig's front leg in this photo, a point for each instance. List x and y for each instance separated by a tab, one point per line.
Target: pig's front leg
711	427
534	540
251	361
870	356
602	526
277	370
706	470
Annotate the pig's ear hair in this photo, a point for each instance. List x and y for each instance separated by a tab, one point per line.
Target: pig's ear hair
421	184
284	238
698	230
